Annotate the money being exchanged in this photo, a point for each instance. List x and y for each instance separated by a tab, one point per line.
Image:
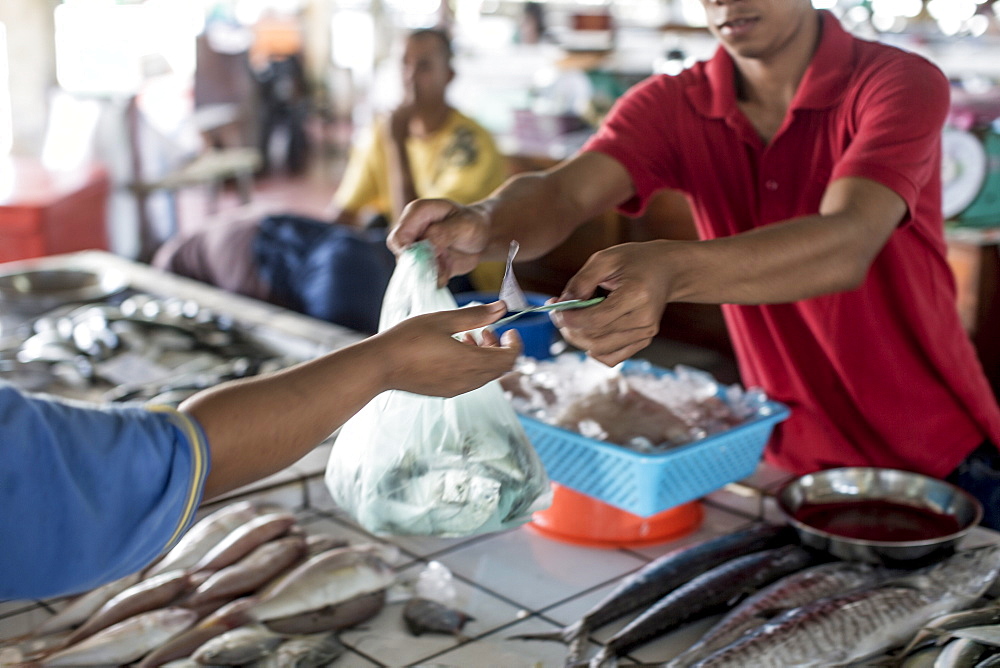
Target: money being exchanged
512	295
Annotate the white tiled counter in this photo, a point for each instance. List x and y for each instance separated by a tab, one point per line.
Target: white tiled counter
512	582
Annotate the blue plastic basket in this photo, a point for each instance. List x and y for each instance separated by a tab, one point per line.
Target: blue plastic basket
645	484
537	331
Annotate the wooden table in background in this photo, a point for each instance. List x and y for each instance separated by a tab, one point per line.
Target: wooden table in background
974	256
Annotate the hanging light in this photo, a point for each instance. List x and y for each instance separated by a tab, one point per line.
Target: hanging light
897	8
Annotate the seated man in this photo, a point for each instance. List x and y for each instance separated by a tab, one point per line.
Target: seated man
425	148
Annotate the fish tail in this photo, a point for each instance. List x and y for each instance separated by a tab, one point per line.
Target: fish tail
604	659
577	646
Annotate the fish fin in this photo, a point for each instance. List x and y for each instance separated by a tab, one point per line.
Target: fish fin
556	636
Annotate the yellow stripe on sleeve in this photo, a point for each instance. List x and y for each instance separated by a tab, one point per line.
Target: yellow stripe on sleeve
200	463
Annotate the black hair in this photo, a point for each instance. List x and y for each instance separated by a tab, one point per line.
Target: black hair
438	34
536	11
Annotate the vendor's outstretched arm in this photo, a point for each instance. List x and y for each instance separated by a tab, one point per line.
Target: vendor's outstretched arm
796	259
539	209
260	425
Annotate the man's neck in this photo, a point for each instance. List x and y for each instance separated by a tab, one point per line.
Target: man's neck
765	86
427	121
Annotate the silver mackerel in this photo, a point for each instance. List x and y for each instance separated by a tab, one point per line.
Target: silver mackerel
854	626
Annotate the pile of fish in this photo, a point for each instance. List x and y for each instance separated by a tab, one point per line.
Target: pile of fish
186	346
245	586
783	605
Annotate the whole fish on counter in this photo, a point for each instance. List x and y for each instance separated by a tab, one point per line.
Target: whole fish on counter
704	595
251	572
226	618
292	600
424	615
661	576
342	615
240	646
962	652
787	593
864	623
321	542
206	534
126	641
931	632
244	539
310	651
83	606
150	594
327	579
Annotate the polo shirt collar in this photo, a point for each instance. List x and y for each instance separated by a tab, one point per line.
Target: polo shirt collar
822	86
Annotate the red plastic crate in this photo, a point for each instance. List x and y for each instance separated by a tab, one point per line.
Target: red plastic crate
46	212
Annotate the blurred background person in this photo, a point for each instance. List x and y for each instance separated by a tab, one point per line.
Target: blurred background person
337	269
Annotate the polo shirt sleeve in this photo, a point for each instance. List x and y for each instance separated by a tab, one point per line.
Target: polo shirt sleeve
898	116
639	132
87	494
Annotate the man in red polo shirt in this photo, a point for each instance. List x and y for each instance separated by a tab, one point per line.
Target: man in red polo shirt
811	161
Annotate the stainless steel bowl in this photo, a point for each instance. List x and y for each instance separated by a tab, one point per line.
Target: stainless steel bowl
37	291
845	485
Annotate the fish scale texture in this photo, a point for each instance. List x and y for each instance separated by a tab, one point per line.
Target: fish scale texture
834	630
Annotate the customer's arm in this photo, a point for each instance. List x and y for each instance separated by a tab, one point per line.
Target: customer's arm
260	425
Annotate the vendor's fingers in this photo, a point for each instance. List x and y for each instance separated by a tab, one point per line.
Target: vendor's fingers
618	312
602	269
618	356
608	345
453	263
460	231
458	242
417	216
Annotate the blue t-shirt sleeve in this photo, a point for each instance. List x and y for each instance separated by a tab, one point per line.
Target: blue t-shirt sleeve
88	495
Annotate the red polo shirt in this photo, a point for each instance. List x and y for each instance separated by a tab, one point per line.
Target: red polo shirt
883	375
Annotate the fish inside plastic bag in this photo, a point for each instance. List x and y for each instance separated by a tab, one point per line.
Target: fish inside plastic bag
413	465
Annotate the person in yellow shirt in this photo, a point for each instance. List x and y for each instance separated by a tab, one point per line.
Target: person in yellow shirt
337	269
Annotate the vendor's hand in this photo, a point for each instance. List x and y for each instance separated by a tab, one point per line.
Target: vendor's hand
458	233
637	277
422	356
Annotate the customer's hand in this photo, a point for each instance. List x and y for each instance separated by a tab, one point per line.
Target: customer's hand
422	356
459	234
637	276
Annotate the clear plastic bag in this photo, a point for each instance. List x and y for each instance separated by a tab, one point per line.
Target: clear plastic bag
413	465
